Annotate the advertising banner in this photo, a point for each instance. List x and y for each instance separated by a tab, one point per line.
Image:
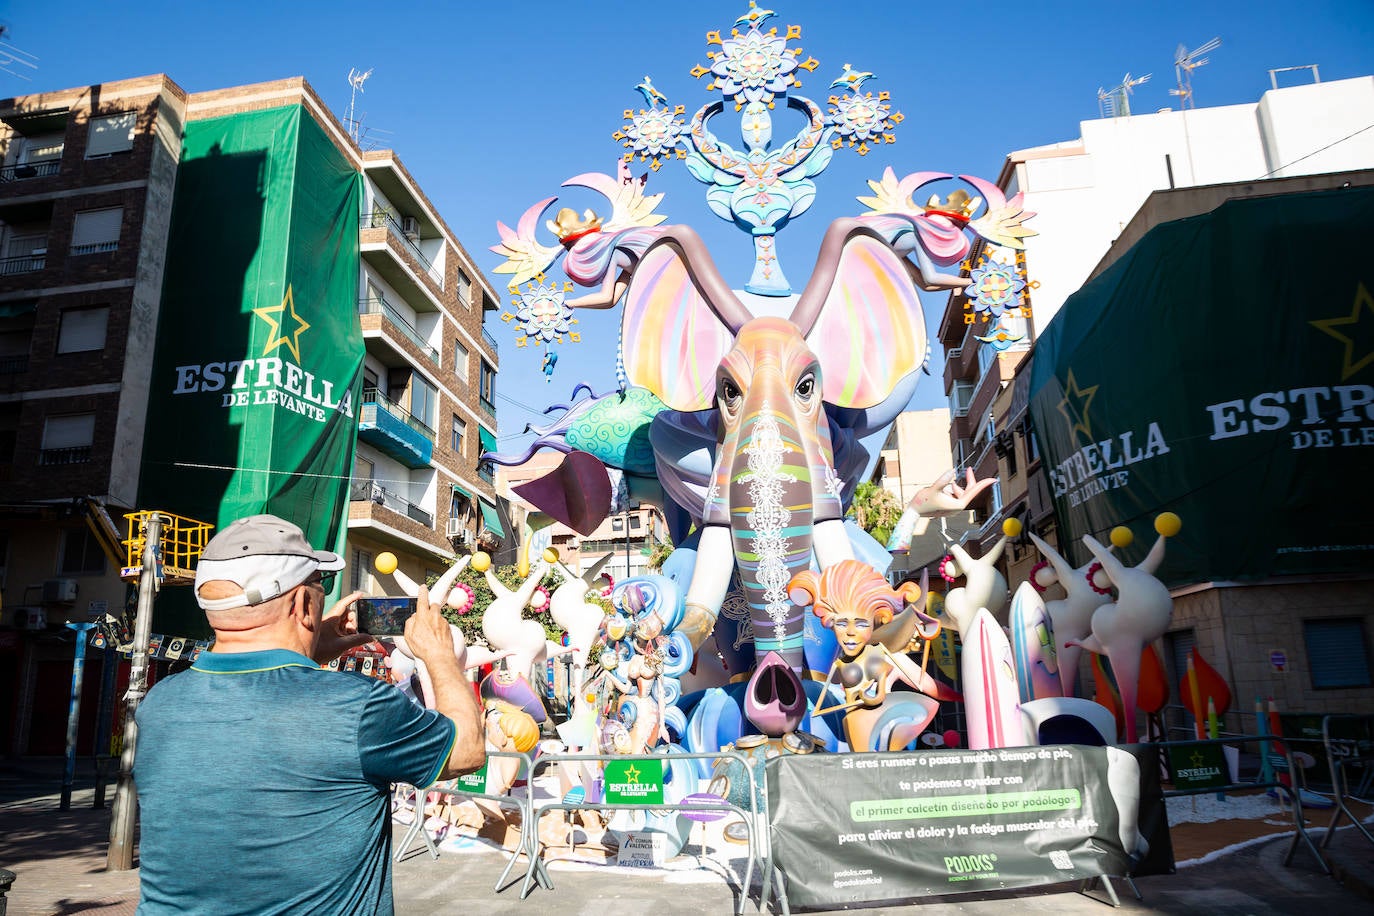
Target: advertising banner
634	782
851	828
259	353
1222	369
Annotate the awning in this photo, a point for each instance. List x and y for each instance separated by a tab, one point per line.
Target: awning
459	488
486	440
15	309
492	520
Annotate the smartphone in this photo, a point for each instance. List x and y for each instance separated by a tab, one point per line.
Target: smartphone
384	616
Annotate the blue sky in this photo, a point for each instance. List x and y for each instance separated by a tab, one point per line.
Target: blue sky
491	107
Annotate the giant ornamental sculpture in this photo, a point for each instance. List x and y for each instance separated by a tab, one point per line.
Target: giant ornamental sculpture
750	414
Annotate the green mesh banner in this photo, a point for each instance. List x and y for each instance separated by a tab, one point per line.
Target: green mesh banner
259	354
1222	369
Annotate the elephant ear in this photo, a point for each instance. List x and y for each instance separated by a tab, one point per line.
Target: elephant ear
861	315
679	321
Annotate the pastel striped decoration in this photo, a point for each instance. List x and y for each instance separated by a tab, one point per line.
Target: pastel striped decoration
872	299
674	341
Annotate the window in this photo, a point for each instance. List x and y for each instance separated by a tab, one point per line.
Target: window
486	390
1178	645
635	523
82	330
1032	446
9	431
959	397
358	576
97	230
987	357
1012	468
460	361
67	439
617	524
464	288
111	134
44	148
1337	652
424	400
80	554
23	246
460	429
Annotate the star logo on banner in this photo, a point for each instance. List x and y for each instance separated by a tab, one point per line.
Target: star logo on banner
1355	330
632	774
1075	406
292	340
1197	760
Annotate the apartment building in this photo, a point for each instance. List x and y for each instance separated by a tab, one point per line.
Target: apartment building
216	304
1284	634
1085	193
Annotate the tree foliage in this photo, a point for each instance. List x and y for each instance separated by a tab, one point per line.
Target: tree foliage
875	510
470	621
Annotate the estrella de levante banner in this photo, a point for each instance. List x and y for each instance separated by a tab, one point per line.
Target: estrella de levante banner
258	364
1221	369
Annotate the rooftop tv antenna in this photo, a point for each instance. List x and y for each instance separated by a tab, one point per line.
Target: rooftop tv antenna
1121	95
1106	103
12	58
1185	62
356	79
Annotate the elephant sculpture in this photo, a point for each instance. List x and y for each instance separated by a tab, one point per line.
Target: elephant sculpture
1070	616
1122	628
780	404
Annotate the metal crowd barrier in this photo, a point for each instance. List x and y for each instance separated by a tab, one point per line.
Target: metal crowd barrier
1294	796
1353	747
523	804
760	852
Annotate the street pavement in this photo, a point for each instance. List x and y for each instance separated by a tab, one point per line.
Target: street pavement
59	859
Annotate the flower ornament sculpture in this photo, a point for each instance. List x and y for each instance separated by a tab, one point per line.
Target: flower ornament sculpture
656	133
542	314
860	119
994	288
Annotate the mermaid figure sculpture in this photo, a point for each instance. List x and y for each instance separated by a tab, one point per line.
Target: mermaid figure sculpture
873	631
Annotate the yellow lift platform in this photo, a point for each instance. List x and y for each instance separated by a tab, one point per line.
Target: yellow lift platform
181	541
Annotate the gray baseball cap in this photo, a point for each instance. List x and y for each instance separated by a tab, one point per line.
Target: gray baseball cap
265	555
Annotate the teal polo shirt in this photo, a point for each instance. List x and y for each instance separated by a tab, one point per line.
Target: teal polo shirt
264	786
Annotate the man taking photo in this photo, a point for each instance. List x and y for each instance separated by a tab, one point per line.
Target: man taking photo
263	779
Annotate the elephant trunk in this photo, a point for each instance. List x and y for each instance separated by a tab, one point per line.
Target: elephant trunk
771	518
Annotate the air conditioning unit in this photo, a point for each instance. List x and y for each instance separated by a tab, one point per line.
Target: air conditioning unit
59	591
410	227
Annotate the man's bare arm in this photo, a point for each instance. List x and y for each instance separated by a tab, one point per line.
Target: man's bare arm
429	638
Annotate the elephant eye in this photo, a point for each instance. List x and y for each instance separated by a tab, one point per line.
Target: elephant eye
729	392
806	387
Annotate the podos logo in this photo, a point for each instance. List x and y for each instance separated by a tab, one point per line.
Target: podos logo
961	868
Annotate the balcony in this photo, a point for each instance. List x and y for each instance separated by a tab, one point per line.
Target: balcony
490	341
14	365
40	169
367	490
52	457
379	306
397	258
391	429
23	264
